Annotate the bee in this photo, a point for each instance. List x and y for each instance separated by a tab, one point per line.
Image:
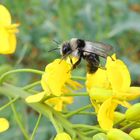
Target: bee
89	51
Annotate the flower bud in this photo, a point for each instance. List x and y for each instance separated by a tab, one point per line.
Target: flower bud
100	136
135	133
116	134
133	113
62	136
4	124
118	117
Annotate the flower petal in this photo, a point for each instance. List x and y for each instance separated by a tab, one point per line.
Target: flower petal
133	93
95	105
100	94
59	106
5	17
97	79
35	98
7	42
7	32
106	114
58	102
73	84
12	42
123	103
118	75
4	43
55	77
4	124
67	100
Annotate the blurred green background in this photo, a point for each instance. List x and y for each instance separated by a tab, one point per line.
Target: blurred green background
116	22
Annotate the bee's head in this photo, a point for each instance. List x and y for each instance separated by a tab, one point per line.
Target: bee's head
66	49
72	46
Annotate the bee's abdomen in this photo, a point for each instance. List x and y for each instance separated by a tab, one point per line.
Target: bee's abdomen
92	62
91	68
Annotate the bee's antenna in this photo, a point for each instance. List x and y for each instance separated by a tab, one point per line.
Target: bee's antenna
111	58
53	49
56	42
62	58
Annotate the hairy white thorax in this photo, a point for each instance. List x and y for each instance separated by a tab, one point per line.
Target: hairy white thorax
73	44
75	54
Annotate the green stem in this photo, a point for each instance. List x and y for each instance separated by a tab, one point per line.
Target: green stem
87	126
86	113
78	110
44	109
58	128
128	125
36	126
66	125
77	94
65	95
9	103
91	132
79	78
19	70
80	113
117	123
19	122
31	85
33	91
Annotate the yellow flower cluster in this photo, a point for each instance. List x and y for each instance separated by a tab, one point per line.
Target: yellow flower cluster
7	32
7	45
110	88
56	82
107	88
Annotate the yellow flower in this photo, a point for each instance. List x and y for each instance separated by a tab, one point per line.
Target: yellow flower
106	114
58	102
35	98
56	81
109	88
7	32
4	124
71	60
97	79
118	75
55	77
62	136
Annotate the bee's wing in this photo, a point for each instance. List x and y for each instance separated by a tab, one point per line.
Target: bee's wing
98	48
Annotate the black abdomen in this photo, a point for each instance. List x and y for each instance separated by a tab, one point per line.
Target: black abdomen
92	62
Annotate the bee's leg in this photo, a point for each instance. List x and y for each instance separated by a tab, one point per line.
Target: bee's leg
111	58
71	61
97	65
77	63
74	65
71	64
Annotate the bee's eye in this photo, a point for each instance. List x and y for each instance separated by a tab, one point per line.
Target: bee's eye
66	49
